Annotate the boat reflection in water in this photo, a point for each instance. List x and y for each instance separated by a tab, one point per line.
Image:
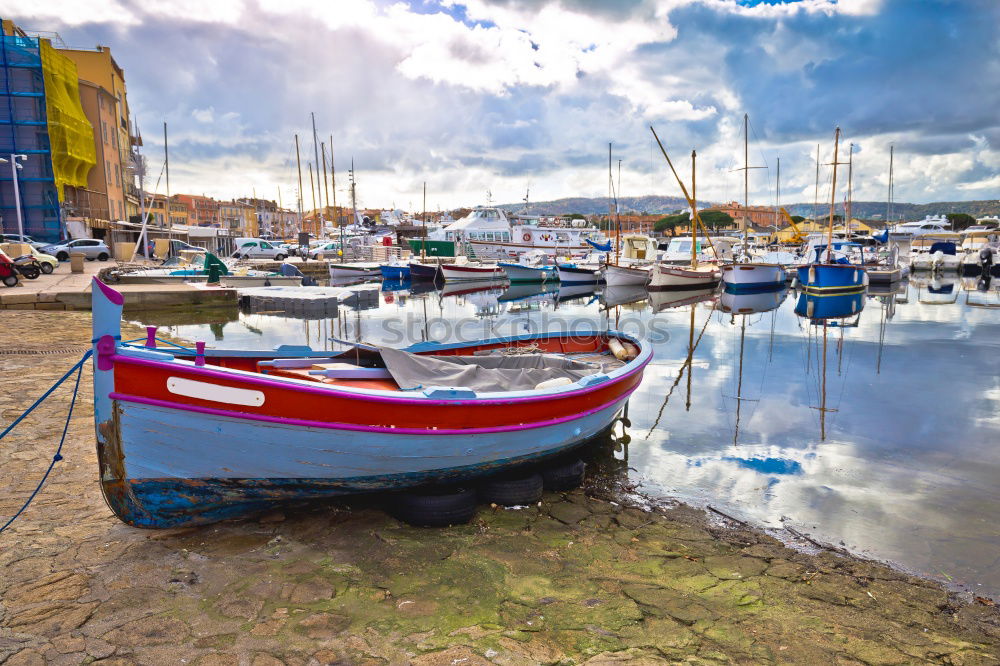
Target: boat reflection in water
616	295
820	309
838	311
742	304
529	292
750	303
665	300
575	292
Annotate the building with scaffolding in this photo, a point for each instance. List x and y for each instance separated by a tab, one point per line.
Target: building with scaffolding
45	137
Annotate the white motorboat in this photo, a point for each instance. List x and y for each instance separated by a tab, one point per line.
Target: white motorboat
973	242
936	252
716	248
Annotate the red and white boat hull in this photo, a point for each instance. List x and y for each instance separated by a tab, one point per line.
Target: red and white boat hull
452	272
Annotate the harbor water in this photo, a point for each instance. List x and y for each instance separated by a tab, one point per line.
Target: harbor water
868	422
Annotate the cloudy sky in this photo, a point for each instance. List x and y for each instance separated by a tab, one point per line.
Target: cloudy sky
506	95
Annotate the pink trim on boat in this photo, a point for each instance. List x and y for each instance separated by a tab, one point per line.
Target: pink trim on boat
248	378
471	269
109	293
361	428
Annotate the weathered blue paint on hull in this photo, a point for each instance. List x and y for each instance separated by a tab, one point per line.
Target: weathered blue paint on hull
395	272
831	278
187	468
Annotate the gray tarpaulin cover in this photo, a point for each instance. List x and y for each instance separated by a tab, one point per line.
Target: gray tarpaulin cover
481	373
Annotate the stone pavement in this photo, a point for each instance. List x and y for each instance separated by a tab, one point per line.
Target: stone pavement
577	579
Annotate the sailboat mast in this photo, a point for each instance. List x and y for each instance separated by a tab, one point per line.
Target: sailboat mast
423	245
166	168
746	180
312	187
694	205
850	184
816	193
611	186
333	186
354	194
833	198
316	162
888	201
777	198
326	183
298	164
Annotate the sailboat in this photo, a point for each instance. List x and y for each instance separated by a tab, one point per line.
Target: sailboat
747	275
618	274
694	276
827	277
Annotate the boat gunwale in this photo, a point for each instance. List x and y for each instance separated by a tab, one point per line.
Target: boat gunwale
615	376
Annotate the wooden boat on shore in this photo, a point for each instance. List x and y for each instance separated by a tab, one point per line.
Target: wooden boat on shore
186	437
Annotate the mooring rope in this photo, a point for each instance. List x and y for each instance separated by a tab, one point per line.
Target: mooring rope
78	369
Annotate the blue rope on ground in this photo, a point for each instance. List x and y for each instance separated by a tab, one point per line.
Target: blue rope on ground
78	369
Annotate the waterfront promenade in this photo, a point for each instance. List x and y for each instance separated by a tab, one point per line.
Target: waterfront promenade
64	290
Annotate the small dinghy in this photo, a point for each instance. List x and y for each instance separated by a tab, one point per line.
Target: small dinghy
192	436
358	269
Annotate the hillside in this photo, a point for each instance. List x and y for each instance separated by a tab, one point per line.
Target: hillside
652	204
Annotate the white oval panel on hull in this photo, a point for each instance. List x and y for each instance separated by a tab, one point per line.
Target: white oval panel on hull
215	392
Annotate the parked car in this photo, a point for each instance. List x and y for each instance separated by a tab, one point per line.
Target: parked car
90	247
16	238
46	262
328	250
254	248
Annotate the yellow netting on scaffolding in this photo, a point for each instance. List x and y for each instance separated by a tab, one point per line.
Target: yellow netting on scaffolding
71	136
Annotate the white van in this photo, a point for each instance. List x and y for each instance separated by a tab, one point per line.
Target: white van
255	248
